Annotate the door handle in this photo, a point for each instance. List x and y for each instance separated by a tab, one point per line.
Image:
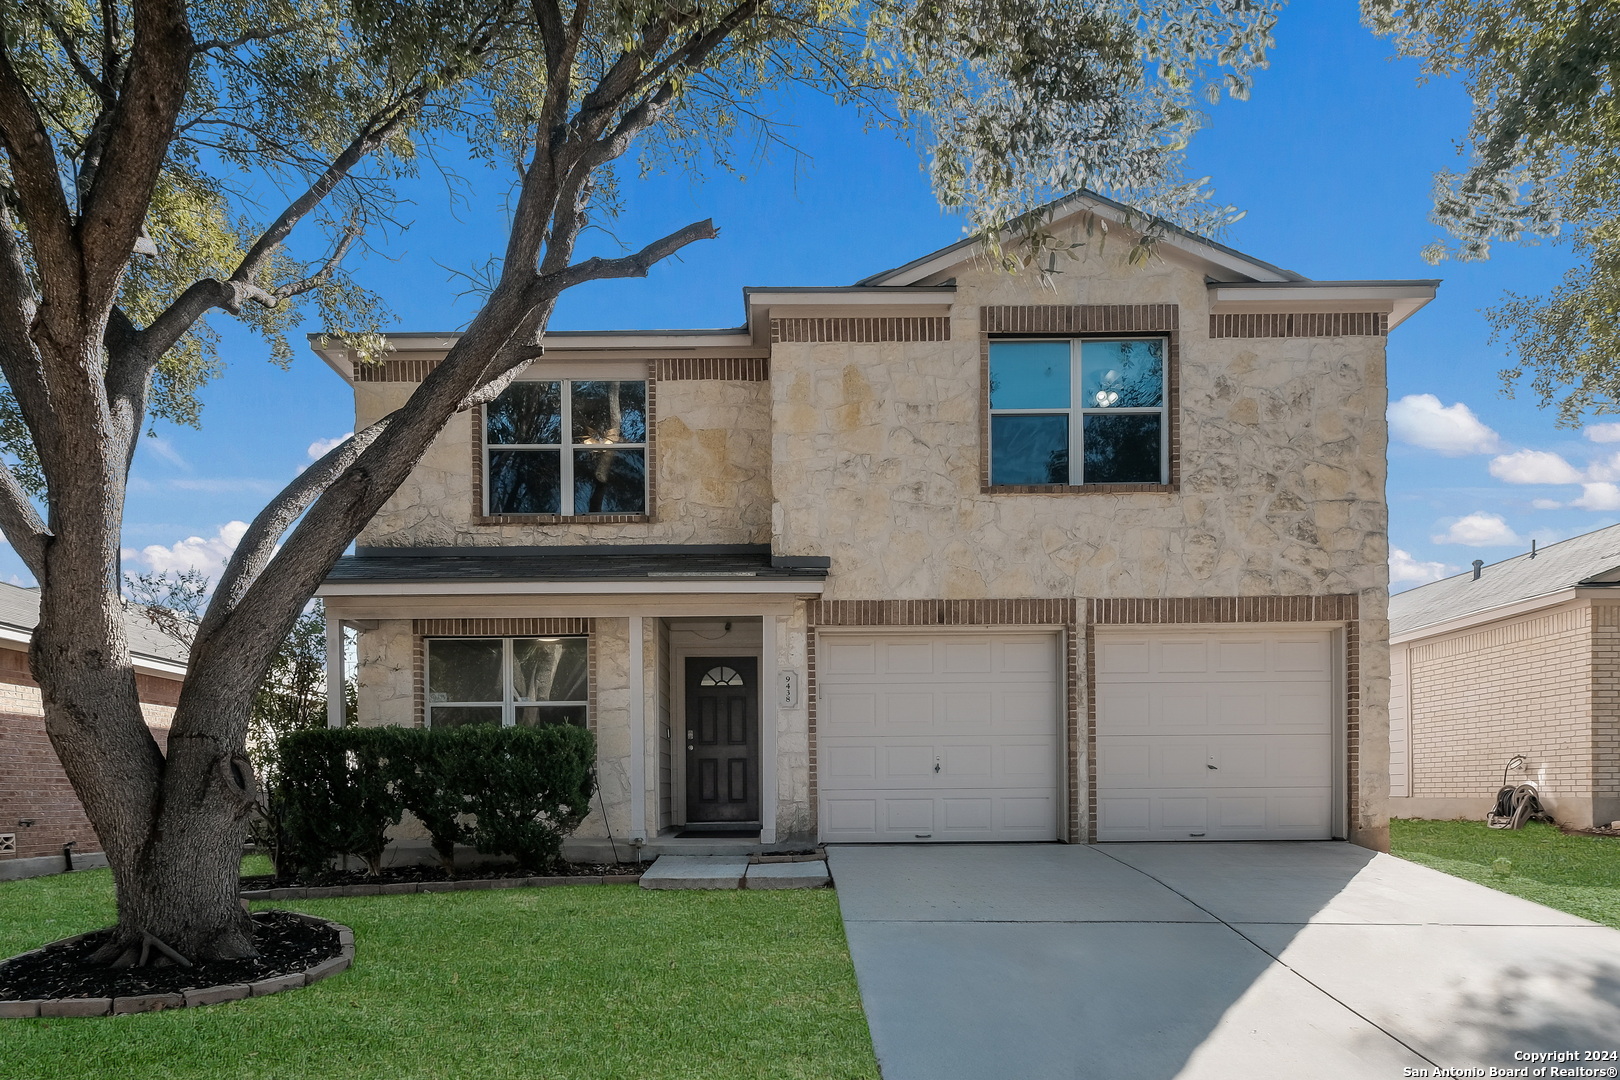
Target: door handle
936	766
1208	766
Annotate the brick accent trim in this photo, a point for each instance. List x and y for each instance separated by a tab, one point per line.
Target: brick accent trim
1237	610
720	368
876	328
922	614
422	629
481	518
1300	324
394	369
1077	320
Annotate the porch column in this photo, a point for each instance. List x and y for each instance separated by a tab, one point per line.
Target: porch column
334	670
638	731
770	693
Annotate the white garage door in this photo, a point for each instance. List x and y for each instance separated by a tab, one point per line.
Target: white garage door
1215	736
938	736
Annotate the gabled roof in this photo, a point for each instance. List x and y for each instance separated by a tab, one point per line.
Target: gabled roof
1591	559
151	651
1225	264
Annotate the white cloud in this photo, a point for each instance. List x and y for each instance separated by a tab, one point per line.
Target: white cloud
1453	430
1601	496
1479	529
1546	504
319	447
1534	467
194	552
1403	567
1603	433
165	450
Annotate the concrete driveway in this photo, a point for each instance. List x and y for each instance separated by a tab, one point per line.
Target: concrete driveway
1298	960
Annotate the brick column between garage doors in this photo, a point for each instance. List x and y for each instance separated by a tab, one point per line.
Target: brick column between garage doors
1340	608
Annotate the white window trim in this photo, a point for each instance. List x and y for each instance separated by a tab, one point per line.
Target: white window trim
1077	436
509	703
565	456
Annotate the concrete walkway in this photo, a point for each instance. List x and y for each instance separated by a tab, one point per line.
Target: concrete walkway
1152	961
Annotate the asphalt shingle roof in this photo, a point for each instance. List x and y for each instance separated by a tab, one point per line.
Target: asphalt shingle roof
1556	567
19	610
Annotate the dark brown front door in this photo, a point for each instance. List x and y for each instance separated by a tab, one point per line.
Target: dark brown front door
722	739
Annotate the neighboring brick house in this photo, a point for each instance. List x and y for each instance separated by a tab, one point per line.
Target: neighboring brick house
1519	657
39	812
949	554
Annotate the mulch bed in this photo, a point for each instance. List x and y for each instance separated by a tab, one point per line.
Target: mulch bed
400	875
286	944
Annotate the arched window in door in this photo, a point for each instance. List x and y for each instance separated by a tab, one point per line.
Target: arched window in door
720	676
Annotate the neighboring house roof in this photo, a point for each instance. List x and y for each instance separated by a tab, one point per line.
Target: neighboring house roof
1591	559
646	566
153	652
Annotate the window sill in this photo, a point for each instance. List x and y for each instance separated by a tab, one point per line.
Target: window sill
562	519
1078	489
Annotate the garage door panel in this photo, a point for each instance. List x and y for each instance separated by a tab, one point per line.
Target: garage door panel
892	817
964	761
1218	761
1239	750
1170	814
940	736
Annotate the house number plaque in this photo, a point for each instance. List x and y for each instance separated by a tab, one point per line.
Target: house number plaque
787	689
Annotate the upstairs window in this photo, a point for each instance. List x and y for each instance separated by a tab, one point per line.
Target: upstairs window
1078	412
571	447
523	682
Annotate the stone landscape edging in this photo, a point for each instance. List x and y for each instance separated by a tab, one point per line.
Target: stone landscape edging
398	888
53	1008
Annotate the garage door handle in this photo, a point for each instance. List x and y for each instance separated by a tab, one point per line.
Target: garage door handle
1212	766
936	766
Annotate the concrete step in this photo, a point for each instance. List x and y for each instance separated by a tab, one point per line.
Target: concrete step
696	872
796	875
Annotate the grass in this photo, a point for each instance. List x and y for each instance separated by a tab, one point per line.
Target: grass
1577	874
576	981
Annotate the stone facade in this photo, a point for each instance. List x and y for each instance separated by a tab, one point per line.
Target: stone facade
1545	685
862	439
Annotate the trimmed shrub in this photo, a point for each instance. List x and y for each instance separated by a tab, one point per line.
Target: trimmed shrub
337	793
505	791
535	788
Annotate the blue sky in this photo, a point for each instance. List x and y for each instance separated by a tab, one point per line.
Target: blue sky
1332	159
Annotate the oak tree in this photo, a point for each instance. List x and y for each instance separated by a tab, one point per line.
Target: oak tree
157	156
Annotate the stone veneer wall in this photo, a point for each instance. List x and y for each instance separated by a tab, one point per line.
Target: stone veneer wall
1523	686
33	786
710	450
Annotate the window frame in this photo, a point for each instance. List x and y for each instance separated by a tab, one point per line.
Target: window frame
508	703
1074	411
565	453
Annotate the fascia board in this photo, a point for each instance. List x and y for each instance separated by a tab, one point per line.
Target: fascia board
731	586
146	665
1495	614
853	296
1399	299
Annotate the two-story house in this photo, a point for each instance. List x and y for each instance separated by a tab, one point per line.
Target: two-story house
948	554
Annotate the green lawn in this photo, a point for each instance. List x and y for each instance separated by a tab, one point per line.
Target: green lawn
583	981
1577	874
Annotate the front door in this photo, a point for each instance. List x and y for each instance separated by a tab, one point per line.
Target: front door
722	739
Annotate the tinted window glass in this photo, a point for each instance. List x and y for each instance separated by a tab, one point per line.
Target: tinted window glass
1122	449
525	482
1029	375
464	670
609	412
1029	449
461	715
1121	374
610	481
527	412
542	715
548	669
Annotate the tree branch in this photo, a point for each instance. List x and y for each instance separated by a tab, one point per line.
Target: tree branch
24	530
236	42
36	178
351	233
548	286
257	546
80	68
